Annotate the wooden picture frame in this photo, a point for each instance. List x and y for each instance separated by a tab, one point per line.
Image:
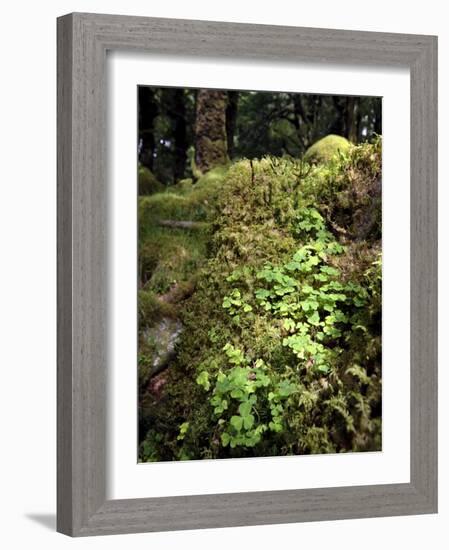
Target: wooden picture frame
83	40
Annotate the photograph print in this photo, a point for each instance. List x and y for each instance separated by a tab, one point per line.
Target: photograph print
259	274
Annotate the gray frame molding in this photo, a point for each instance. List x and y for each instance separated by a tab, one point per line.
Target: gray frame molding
83	40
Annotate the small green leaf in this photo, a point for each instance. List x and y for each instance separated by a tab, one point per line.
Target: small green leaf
314	319
245	408
329	270
203	380
237	422
286	388
289	324
252	399
275	426
182	431
248	421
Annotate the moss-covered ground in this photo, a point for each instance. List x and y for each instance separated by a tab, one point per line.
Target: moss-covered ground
260	318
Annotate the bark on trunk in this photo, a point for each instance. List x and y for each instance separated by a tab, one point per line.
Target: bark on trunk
210	130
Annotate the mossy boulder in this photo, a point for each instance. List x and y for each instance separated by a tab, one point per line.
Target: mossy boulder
212	180
148	183
185	185
325	149
184	201
348	191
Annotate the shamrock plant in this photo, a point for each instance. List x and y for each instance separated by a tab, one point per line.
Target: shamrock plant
308	295
234	303
246	400
315	309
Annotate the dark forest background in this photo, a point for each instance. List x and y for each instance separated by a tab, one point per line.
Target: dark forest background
242	124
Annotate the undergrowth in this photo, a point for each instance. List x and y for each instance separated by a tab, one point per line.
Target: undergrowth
280	351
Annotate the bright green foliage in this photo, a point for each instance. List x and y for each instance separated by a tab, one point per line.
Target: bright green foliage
235	304
307	294
247	401
203	380
280	352
326	149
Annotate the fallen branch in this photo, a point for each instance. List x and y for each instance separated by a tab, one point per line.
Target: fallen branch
178	224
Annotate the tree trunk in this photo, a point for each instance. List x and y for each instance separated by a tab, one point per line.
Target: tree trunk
210	130
179	134
300	120
378	116
231	119
339	125
351	118
148	111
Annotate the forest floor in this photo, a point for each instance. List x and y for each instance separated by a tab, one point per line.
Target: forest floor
259	310
174	233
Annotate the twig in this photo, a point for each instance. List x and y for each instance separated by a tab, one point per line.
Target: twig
180	224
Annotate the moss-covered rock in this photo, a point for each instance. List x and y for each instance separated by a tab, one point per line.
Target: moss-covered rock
349	190
184	201
325	149
185	185
148	183
152	309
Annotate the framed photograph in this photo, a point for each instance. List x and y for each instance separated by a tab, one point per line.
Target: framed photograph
247	274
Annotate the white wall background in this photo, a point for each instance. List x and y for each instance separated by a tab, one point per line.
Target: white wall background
27	272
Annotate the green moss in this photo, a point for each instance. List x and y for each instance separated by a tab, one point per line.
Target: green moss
177	264
195	202
196	172
148	183
185	185
326	148
152	309
149	254
213	179
166	205
349	190
170	256
261	213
